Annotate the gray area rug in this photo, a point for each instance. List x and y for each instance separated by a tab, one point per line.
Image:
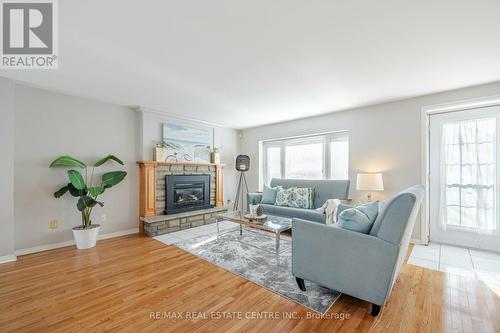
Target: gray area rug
253	256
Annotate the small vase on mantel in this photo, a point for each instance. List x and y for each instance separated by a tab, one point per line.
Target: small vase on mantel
160	152
215	156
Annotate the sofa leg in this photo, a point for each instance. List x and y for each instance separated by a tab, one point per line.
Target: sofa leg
375	310
301	283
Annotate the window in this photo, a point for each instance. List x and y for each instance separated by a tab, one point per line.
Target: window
304	160
323	156
273	157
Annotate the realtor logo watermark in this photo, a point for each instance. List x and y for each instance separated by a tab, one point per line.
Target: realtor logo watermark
29	34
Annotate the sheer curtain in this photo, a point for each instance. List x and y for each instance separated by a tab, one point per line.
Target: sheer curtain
468	175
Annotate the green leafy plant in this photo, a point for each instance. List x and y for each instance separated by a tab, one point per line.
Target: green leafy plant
86	189
161	144
255	200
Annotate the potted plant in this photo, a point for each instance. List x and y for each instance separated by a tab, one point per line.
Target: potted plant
215	155
254	207
87	193
160	151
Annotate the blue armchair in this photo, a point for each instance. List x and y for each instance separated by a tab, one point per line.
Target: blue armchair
361	265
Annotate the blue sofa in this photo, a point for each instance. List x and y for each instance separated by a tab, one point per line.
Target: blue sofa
324	190
361	265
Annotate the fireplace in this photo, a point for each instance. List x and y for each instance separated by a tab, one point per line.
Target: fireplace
186	192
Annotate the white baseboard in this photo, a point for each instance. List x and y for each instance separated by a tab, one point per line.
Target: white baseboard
118	233
52	246
9	258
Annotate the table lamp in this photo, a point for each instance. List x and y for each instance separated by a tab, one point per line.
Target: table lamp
369	182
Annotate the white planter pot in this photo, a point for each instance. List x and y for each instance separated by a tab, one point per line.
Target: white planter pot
215	157
253	210
160	154
86	238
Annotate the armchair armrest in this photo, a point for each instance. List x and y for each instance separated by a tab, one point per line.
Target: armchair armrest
351	262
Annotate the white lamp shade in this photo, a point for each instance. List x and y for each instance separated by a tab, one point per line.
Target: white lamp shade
370	182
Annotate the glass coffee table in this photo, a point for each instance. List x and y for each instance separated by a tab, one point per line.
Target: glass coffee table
274	224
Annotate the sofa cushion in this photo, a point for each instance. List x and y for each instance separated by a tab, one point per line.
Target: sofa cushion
305	214
323	189
371	209
269	195
282	196
341	207
303	197
296	197
359	218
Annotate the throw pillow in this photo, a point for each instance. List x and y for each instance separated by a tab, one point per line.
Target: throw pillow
370	208
269	195
359	218
296	197
283	196
341	207
302	197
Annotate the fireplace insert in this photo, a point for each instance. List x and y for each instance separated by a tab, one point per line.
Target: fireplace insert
186	192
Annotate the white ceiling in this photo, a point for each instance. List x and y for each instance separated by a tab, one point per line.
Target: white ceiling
247	63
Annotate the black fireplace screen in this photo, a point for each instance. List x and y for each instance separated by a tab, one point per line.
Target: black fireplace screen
188	195
186	192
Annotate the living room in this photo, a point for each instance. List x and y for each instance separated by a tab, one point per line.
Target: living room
214	166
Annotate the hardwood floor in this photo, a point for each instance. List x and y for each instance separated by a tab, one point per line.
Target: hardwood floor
117	285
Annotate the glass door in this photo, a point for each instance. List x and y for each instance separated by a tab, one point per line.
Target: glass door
464	179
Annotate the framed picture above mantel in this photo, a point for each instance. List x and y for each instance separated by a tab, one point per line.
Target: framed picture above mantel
187	143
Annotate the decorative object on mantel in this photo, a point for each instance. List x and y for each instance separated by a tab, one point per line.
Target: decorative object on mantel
242	165
186	143
369	182
215	155
87	193
160	151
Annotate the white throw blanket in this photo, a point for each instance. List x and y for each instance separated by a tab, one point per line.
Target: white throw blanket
330	210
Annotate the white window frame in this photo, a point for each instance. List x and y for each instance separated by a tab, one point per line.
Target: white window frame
324	138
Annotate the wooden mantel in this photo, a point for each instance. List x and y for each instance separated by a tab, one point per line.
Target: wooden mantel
155	163
147	179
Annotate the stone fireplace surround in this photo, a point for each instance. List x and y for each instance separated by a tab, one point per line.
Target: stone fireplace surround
153	222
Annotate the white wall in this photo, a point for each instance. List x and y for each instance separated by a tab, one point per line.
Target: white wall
48	125
225	138
7	167
382	138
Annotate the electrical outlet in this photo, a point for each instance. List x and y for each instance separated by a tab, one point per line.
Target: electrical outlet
53	224
103	218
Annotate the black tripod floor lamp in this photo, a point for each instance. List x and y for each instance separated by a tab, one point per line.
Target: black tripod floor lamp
242	165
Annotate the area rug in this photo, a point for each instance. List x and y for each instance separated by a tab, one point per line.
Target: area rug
253	257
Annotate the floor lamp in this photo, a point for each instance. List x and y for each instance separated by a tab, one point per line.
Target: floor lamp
242	165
